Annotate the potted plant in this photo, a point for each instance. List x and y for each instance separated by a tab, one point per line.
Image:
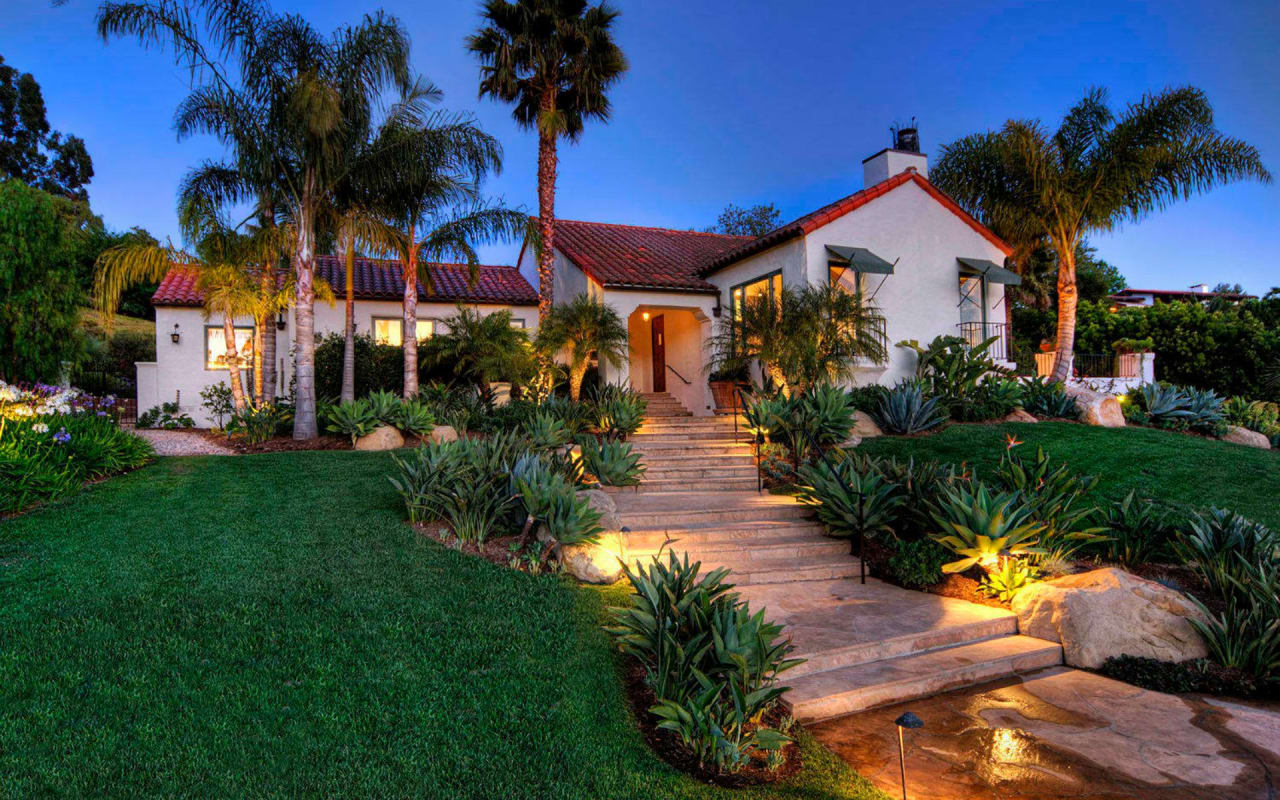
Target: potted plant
723	382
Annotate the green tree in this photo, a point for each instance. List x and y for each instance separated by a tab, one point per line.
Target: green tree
1095	171
481	348
29	149
754	221
555	60
580	328
39	317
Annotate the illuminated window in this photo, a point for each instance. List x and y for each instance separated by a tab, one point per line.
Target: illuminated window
767	286
517	323
215	347
388	330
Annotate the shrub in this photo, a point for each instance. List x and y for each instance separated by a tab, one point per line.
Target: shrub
1222	544
1138	531
551	499
852	500
259	423
905	410
1178	408
378	366
1164	676
479	348
921	482
1046	398
1055	498
166	416
982	527
546	431
1255	415
951	370
918	564
612	463
867	398
354	419
775	463
217	401
994	397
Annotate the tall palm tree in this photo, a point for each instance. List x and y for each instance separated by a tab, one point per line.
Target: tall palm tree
433	200
554	59
1097	170
583	327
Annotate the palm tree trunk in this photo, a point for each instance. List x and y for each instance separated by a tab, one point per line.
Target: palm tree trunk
304	419
268	348
576	374
259	338
349	342
1067	299
233	362
546	214
409	336
779	378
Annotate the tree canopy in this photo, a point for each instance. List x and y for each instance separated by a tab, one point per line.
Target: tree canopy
30	150
756	220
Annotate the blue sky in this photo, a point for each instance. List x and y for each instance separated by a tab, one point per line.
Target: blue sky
753	102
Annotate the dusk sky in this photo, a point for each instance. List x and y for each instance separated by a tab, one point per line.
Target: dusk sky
752	102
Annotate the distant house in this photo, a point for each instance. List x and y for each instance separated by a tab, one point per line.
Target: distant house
929	267
1135	298
190	351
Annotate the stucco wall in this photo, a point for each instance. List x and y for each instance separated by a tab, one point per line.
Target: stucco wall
788	257
688	321
568	280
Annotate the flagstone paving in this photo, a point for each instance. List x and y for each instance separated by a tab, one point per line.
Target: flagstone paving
1064	733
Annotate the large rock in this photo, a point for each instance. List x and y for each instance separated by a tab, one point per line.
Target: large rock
443	433
382	438
864	427
1246	437
1019	415
602	502
1096	408
595	563
1109	612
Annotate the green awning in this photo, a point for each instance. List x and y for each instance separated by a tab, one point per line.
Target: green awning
858	259
989	270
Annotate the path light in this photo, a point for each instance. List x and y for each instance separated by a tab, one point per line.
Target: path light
907	720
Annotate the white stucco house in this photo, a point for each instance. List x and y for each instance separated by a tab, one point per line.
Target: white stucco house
929	267
189	347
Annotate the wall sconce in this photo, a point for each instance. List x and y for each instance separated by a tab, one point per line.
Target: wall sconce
715	310
175	336
644	315
280	323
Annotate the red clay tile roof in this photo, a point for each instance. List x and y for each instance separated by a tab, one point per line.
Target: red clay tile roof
376	279
628	256
811	222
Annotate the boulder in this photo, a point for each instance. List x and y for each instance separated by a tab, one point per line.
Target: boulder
1096	408
382	438
443	433
851	442
1019	415
1109	612
595	563
864	427
602	502
1246	437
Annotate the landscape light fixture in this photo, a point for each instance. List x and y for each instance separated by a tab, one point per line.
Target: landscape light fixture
907	720
280	323
175	336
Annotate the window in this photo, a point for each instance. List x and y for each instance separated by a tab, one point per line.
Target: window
389	330
517	323
215	347
849	279
769	285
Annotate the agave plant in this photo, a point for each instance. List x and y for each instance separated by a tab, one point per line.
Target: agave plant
768	415
352	419
1164	402
1046	398
982	527
612	463
385	407
1011	576
1056	498
852	502
905	410
546	431
416	418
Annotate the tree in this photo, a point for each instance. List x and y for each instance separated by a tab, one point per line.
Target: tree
1096	171
39	316
1096	278
583	327
754	221
801	337
482	348
29	149
555	60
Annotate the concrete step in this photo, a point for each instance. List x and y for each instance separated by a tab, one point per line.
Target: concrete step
682	446
715	458
747	533
789	570
847	690
693	422
908	643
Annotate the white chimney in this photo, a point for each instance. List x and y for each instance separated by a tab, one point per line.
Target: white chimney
1202	288
904	155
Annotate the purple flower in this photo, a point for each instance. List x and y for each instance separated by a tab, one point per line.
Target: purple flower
102	413
62	437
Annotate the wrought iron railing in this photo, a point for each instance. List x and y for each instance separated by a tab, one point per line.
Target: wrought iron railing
975	333
687	382
1094	365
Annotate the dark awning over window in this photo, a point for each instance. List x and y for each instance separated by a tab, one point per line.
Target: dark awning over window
989	270
858	259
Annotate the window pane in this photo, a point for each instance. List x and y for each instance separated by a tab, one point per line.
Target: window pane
426	329
517	323
215	348
776	286
386	330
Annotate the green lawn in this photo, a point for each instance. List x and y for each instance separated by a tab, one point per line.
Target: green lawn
268	626
1158	464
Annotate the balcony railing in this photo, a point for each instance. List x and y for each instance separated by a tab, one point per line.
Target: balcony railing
975	333
1094	365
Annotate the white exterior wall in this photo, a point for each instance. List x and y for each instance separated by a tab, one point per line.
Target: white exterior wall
688	325
568	280
788	257
178	373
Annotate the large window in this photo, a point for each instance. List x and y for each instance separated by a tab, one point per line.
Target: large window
390	330
215	347
766	286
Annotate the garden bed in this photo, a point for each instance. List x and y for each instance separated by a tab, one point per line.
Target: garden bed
277	444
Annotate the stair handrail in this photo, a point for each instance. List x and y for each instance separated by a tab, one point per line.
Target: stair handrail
813	444
687	382
755	446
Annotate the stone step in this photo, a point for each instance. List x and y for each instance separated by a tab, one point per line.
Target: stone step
745	533
684	446
668	510
790	570
662	470
689	438
694	422
737	554
908	643
847	690
715	458
665	485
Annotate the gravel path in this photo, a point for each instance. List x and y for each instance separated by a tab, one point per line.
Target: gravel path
182	443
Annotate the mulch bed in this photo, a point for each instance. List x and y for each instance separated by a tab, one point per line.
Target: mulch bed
670	749
495	549
278	444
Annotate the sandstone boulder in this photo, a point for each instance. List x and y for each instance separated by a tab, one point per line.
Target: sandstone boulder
602	502
1019	415
382	438
864	427
1246	437
443	433
1096	408
595	563
1109	612
851	442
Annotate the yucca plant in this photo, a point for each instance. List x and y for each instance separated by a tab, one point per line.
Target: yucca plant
905	410
983	526
612	463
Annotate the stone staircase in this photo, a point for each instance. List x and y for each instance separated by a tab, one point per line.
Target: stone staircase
867	644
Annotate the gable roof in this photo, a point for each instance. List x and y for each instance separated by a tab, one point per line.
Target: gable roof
378	279
631	257
816	219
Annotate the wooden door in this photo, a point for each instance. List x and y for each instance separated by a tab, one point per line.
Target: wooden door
659	341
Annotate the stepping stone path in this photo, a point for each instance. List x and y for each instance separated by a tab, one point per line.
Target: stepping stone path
868	644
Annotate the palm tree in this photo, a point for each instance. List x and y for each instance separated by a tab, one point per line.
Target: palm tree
433	200
801	337
1095	172
482	348
581	327
554	59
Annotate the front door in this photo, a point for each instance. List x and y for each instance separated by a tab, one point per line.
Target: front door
659	339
